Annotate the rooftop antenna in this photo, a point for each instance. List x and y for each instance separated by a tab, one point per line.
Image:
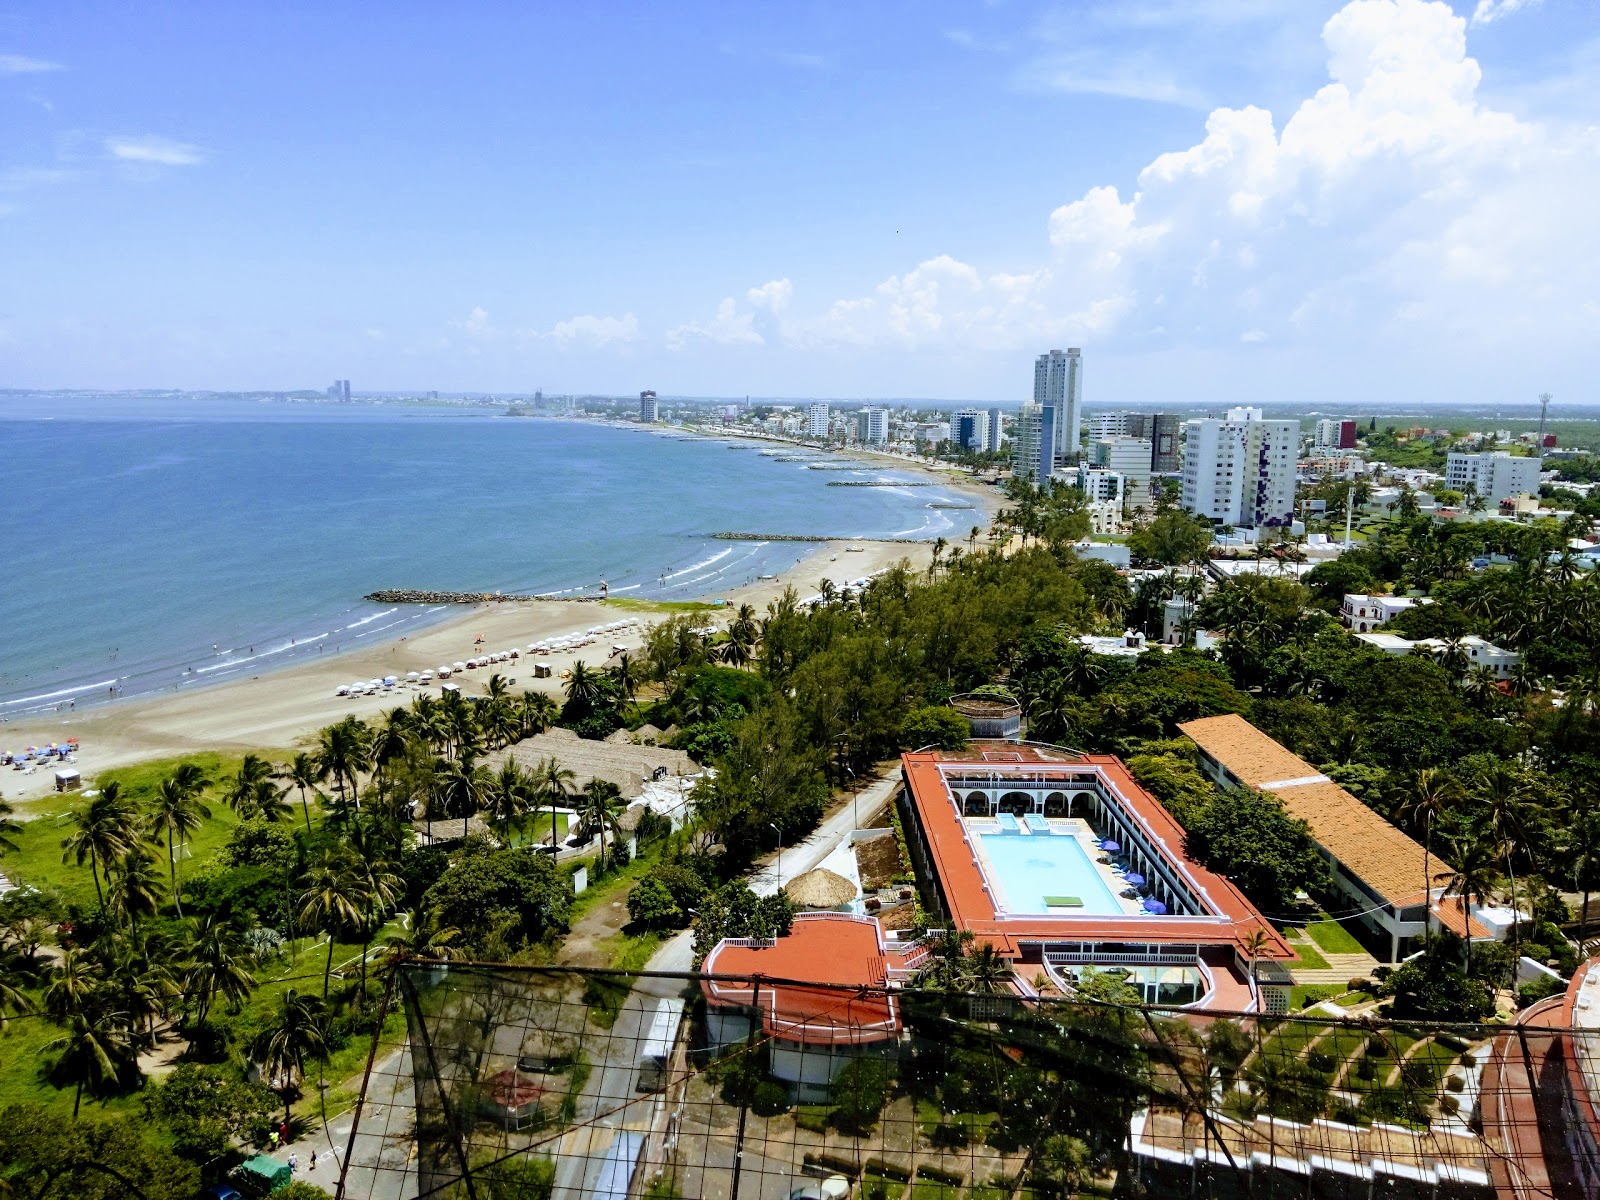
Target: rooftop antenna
1544	408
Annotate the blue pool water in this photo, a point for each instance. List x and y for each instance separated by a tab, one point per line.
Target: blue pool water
1030	867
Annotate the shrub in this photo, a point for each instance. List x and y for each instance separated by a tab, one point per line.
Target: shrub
1366	1068
1321	1062
769	1099
934	726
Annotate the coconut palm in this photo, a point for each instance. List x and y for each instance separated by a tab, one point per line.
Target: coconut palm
1503	795
1430	795
380	888
332	899
624	677
342	752
556	784
219	967
303	773
584	688
601	810
496	687
1473	878
462	786
8	829
500	720
297	1033
176	812
539	712
244	788
986	971
1583	852
94	1051
134	887
390	739
105	830
509	796
72	984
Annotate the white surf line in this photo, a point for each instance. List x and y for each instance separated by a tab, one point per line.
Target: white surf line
72	691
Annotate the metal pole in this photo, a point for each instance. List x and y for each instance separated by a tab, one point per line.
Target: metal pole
744	1093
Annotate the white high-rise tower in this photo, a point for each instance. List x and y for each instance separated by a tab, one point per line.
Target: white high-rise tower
1058	384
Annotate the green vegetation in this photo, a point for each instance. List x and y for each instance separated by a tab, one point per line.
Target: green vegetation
1333	937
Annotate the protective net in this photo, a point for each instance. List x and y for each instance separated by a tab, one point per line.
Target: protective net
515	1082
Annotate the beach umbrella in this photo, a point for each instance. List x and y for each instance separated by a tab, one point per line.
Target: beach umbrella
1134	878
1109	846
820	888
1155	908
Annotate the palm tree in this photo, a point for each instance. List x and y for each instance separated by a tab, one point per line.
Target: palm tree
556	784
509	793
502	724
342	752
8	829
986	971
1255	942
1503	793
1583	849
94	1051
218	967
72	984
1473	877
390	738
135	887
539	712
583	688
332	899
462	787
1432	792
496	688
297	1033
602	811
244	788
177	812
105	831
303	773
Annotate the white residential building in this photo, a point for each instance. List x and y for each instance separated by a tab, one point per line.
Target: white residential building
817	421
970	429
1479	651
1099	485
1058	385
648	411
1130	458
1033	444
1240	470
873	426
996	432
1109	425
1492	476
1361	613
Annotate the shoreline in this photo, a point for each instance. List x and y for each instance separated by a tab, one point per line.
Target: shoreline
279	710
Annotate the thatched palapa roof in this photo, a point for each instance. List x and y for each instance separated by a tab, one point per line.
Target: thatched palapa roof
820	888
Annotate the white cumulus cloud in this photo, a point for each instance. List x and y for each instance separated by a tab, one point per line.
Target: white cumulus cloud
730	327
1492	10
152	149
590	330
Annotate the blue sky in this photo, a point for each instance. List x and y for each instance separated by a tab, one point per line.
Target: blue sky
1217	199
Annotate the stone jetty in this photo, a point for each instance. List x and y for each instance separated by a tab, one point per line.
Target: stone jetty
807	537
878	483
421	596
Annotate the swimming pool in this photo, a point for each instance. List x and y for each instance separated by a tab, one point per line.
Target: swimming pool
1028	869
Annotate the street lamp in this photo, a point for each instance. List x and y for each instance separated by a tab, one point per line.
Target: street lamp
779	832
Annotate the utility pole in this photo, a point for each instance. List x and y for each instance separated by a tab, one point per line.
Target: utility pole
1349	509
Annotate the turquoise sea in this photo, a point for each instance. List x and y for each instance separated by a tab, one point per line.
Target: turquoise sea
156	542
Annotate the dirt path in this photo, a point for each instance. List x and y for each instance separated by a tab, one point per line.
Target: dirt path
585	945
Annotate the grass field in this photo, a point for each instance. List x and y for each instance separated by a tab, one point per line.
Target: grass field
1307	994
1310	957
1334	938
662	606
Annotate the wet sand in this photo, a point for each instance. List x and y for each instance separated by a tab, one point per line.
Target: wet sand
282	711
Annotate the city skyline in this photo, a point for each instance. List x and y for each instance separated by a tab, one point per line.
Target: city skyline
1261	200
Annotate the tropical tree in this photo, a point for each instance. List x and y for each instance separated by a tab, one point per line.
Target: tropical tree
297	1033
1583	854
1473	877
555	784
244	788
303	774
509	797
104	830
332	899
601	810
8	829
1503	794
584	689
539	712
218	967
134	887
1433	790
176	812
94	1051
72	984
342	752
462	787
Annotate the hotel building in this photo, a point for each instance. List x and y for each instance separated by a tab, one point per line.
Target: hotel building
1063	863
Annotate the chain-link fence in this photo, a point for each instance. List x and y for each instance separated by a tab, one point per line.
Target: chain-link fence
535	1083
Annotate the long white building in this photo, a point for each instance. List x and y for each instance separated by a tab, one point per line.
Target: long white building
1492	476
1240	470
1130	458
817	421
1058	385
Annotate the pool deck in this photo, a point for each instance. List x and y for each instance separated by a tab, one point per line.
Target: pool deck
1067	827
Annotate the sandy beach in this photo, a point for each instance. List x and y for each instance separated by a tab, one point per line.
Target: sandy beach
282	710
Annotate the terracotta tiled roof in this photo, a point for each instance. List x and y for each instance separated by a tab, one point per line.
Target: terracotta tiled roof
1451	913
973	907
1366	845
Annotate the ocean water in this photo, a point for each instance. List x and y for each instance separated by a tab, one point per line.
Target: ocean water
209	538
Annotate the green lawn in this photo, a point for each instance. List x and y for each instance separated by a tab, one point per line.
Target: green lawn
662	606
1304	995
1310	957
1334	938
37	860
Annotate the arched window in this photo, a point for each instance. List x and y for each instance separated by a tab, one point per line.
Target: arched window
977	804
1056	804
1016	803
